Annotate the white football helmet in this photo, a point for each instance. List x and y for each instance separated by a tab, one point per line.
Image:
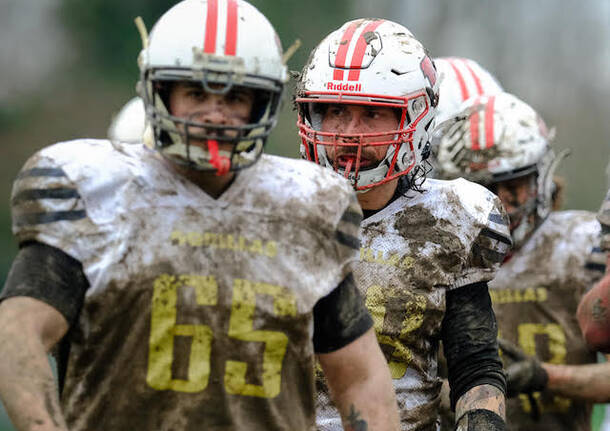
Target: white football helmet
499	138
128	125
218	44
460	79
370	62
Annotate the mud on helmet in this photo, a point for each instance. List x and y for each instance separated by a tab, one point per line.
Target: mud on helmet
370	62
500	138
218	44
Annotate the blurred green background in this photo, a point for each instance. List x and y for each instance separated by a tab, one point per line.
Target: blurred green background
67	66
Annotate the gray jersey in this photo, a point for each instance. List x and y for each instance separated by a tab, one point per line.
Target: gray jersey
199	311
535	295
452	235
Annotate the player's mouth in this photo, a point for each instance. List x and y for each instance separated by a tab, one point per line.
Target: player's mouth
345	160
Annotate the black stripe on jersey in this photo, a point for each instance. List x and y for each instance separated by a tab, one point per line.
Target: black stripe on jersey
495	235
352	217
55	193
596	267
348	240
49	217
498	219
42	172
487	254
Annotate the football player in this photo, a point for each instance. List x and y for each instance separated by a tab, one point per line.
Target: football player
459	79
366	101
188	284
593	315
501	142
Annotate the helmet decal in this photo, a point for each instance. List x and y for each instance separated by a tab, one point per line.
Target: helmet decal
357	46
428	69
211	28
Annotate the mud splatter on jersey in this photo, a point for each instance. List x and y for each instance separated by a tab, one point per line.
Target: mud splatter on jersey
198	314
535	295
454	234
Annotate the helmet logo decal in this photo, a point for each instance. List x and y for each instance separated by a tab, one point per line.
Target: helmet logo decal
211	28
343	87
427	68
364	40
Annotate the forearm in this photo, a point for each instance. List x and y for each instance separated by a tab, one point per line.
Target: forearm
361	386
357	410
586	382
594	316
27	387
485	397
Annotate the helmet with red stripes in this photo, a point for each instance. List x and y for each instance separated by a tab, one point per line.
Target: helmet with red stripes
460	79
370	62
501	138
218	44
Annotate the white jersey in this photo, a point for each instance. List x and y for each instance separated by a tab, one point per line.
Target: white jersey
535	295
452	235
199	310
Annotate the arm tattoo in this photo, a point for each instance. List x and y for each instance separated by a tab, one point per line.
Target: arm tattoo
354	423
598	310
485	397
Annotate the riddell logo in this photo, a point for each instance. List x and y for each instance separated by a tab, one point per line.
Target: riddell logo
343	87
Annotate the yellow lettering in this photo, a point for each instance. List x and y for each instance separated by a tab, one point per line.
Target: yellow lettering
256	247
271	249
178	237
241	327
542	294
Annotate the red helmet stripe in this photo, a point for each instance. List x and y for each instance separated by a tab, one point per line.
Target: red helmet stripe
489	123
211	24
354	75
231	39
460	78
343	47
477	80
474	127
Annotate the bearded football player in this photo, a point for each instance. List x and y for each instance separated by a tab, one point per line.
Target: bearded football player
553	379
188	283
366	101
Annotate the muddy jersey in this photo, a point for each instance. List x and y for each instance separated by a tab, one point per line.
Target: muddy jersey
452	235
535	295
604	218
199	311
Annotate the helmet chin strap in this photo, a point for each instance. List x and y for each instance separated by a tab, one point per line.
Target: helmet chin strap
348	168
221	163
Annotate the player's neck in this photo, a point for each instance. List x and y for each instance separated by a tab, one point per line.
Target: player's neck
377	197
212	184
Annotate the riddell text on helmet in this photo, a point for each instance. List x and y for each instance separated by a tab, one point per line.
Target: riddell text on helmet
343	86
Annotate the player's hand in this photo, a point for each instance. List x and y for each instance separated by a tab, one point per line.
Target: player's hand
525	374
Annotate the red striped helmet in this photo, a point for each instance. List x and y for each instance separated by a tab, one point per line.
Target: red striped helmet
499	138
460	79
370	62
219	44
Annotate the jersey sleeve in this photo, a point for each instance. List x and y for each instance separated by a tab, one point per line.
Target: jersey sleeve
604	219
347	235
491	243
46	207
